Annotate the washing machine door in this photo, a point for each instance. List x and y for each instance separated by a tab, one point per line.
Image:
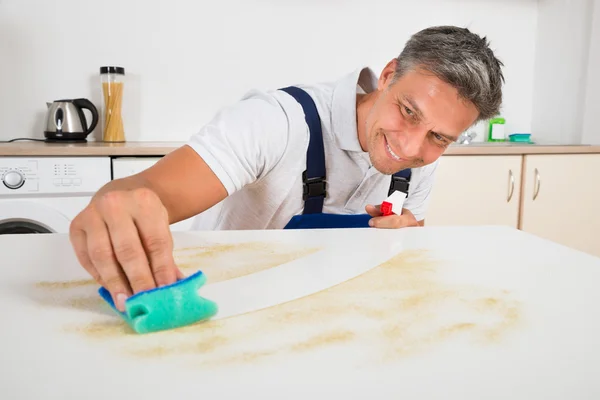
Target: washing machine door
19	217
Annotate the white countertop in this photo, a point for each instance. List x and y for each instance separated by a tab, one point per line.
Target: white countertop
459	313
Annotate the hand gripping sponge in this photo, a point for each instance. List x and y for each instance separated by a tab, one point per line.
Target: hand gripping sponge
166	307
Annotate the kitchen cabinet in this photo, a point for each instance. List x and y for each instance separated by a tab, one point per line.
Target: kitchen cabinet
560	196
476	190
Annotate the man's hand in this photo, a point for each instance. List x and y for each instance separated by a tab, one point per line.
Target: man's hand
122	239
407	219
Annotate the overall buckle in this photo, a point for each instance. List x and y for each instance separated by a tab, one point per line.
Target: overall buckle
313	187
398	183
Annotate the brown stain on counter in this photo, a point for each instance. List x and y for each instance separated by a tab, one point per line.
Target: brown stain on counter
100	330
218	262
324	339
227	261
65	284
396	310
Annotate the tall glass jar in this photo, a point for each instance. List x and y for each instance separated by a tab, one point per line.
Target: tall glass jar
112	79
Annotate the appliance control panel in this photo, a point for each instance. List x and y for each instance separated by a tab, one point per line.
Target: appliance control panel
53	175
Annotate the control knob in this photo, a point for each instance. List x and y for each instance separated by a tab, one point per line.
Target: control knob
13	179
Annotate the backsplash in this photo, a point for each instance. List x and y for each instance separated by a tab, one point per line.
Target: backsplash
184	60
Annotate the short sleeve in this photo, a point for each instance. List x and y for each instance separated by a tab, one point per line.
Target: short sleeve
419	196
243	141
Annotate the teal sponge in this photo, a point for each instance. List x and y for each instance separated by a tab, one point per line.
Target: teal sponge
166	307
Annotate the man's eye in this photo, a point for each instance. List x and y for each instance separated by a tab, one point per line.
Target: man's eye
408	110
440	139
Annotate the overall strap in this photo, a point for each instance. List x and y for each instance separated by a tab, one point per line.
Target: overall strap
400	181
314	185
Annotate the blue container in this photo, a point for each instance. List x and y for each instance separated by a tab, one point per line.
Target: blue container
520	137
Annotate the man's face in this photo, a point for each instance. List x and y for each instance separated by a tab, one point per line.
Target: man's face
413	120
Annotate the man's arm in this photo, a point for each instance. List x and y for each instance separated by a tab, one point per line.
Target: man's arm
184	183
123	239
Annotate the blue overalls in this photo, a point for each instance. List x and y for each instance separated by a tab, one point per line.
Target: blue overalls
314	185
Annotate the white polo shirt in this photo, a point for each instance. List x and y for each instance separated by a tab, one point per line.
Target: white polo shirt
257	148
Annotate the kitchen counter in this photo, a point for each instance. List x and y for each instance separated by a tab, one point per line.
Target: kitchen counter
30	149
509	148
458	312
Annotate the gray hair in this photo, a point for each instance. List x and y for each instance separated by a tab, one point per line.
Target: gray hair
459	58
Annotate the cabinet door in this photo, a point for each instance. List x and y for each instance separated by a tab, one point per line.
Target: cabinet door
561	194
476	190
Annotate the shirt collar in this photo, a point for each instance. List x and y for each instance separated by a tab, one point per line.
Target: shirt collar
344	107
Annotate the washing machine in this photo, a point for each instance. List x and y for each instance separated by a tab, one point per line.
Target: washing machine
44	194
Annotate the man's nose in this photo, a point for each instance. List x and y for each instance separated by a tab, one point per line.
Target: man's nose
412	141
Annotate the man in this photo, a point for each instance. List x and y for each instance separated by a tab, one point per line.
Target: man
258	164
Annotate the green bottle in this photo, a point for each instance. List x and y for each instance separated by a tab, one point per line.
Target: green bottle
496	130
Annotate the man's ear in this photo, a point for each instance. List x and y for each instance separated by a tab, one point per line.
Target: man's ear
387	74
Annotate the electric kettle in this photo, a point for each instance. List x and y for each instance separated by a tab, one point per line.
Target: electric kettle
65	120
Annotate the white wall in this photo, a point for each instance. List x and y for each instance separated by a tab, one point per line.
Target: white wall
591	127
562	45
184	59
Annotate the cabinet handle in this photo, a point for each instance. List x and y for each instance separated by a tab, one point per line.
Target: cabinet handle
512	185
537	184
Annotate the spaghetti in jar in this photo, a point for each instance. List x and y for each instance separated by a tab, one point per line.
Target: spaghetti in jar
112	79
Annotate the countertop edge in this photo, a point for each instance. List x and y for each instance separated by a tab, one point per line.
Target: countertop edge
159	149
522	150
90	149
